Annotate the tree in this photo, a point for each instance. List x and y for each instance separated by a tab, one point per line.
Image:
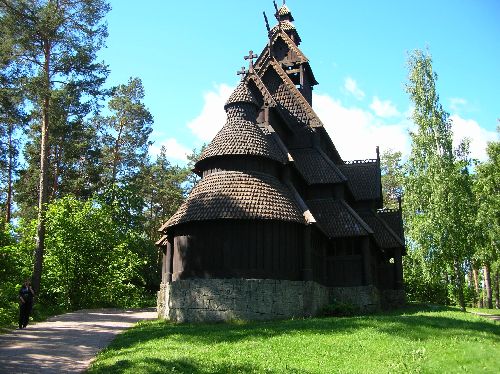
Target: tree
392	177
487	192
164	191
54	42
90	260
74	154
438	194
126	133
11	122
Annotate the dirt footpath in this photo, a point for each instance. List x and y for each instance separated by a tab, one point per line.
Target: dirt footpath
65	343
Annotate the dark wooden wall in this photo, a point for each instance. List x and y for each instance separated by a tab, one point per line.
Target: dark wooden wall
244	163
238	249
344	263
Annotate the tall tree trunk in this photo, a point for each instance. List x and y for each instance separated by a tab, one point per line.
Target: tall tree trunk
44	169
116	152
497	289
459	285
10	166
487	286
479	297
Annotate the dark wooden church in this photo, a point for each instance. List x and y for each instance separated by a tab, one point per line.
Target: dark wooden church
277	208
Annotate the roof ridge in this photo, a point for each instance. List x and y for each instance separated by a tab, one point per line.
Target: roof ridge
361	162
268	98
290	43
313	118
356	215
331	163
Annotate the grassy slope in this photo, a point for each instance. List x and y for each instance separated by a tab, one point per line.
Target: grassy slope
414	340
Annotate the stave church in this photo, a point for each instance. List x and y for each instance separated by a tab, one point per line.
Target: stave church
279	225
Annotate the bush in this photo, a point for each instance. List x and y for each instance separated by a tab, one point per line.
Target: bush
339	309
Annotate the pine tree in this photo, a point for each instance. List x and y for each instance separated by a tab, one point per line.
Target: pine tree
55	44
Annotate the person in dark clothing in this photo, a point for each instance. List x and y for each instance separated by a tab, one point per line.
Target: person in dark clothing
26	295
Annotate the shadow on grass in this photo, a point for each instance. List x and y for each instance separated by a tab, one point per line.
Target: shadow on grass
159	366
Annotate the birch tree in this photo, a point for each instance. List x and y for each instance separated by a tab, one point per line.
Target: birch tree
438	193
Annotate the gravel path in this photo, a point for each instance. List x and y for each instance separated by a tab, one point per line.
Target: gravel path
65	343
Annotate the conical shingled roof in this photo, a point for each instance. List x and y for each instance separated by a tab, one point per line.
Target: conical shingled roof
284	11
239	137
242	94
237	195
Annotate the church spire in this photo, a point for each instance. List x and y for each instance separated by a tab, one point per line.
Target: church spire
285	19
284	14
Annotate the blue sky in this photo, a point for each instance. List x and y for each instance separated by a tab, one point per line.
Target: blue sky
187	54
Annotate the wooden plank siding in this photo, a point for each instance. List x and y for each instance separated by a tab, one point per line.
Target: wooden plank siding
238	249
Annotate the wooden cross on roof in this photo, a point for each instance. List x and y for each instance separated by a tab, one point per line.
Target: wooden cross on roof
242	72
250	57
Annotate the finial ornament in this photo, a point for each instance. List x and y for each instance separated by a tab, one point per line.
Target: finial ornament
250	57
267	23
242	72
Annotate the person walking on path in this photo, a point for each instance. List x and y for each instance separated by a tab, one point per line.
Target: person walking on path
26	295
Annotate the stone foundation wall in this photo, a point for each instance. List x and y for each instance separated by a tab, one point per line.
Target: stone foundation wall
391	299
366	298
197	300
246	299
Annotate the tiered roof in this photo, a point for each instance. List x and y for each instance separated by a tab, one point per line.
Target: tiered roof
237	195
253	195
240	137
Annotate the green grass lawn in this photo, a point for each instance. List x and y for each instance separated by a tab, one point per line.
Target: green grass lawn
415	339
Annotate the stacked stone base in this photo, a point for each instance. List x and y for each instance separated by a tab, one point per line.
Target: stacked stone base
211	300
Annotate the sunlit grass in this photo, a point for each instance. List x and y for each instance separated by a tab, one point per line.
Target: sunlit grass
493	311
412	340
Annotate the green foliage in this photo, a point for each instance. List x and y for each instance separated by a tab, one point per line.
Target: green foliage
15	266
392	175
439	205
90	260
412	340
422	284
339	309
126	132
487	192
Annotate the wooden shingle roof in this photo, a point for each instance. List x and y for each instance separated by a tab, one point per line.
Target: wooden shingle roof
315	167
240	137
383	234
242	94
393	219
337	219
237	195
363	179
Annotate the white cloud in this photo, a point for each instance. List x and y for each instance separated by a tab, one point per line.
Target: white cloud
356	132
212	117
352	87
384	108
457	103
479	137
173	150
